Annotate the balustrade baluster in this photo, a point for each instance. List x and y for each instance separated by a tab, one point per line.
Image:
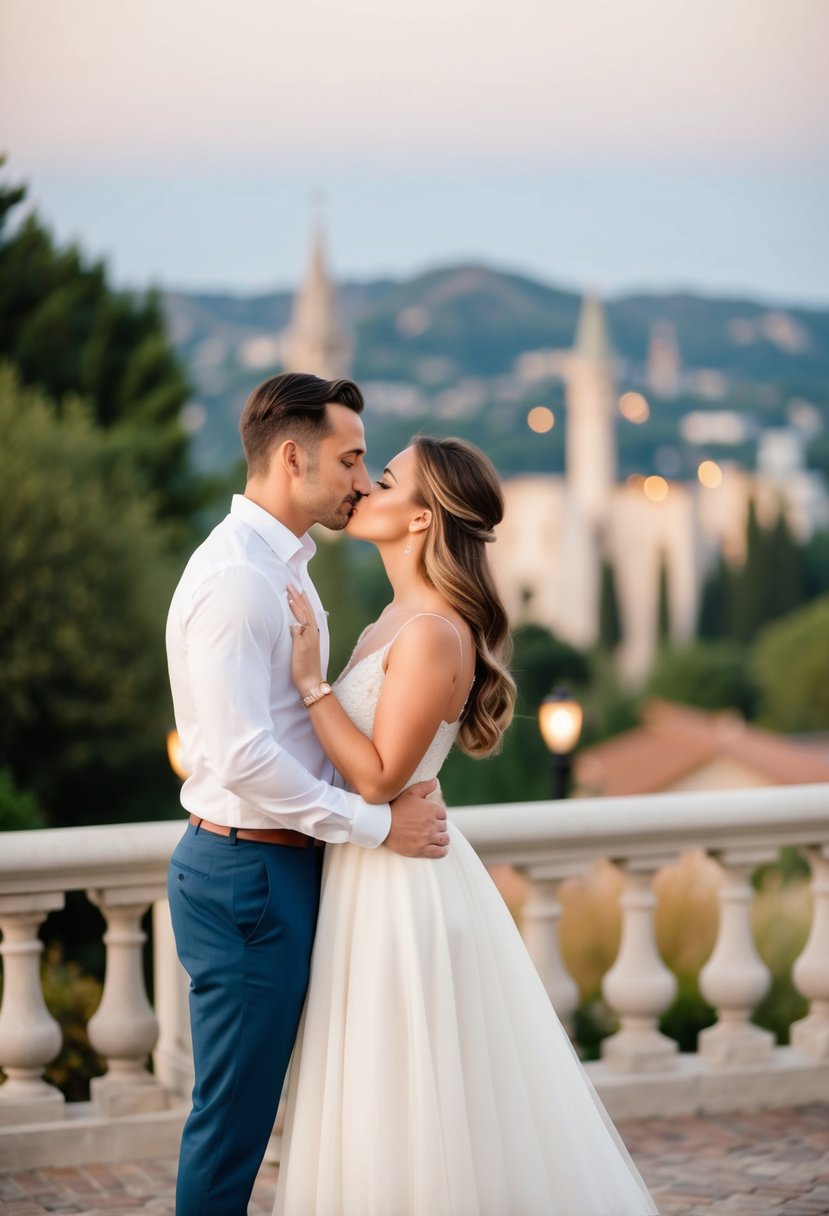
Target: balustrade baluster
124	1028
639	987
539	927
29	1035
735	978
811	970
173	1055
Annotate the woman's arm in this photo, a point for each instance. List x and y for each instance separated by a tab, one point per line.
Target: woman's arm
423	666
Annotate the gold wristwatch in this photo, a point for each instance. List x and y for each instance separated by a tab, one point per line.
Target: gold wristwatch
316	694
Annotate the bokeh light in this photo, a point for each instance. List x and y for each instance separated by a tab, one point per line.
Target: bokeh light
709	474
656	488
541	419
634	407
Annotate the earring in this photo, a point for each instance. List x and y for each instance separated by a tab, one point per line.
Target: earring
408	549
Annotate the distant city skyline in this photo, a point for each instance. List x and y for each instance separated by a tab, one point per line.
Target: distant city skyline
646	146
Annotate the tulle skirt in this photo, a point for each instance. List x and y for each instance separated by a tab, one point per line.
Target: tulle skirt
431	1076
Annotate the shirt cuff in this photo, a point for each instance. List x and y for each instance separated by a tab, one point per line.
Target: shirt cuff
371	823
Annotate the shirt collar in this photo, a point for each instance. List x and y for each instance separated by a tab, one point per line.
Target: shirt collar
281	540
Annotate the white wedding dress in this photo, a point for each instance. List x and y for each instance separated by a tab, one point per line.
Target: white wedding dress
431	1076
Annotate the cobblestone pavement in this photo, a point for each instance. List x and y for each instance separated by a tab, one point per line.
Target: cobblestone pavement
774	1161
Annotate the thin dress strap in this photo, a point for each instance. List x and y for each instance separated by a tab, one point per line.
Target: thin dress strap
439	616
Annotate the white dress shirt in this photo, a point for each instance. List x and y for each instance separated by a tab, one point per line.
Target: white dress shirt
246	739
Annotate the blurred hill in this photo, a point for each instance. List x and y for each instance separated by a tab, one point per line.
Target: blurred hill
451	345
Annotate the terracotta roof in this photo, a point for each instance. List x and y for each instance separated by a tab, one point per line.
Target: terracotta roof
677	740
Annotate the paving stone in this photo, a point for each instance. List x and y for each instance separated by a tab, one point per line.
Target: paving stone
22	1207
718	1165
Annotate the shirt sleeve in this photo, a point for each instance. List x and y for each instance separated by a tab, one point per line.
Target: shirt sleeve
230	633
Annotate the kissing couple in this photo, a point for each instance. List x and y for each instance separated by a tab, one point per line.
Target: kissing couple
429	1073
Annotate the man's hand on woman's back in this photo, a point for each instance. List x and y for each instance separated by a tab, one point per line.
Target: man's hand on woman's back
418	825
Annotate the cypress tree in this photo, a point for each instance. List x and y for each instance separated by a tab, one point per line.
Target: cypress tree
770	582
610	628
787	588
663	627
749	603
712	621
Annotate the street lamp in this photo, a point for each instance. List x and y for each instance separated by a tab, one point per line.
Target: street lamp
559	719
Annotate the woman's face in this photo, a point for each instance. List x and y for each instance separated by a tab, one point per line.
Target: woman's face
385	514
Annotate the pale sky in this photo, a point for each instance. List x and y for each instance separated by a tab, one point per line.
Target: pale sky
606	143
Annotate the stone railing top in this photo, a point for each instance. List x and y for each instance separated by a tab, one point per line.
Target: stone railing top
76	859
649	829
541	837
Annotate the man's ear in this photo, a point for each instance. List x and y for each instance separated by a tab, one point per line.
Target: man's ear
291	457
421	521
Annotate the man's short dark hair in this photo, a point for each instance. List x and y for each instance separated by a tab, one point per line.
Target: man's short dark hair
291	406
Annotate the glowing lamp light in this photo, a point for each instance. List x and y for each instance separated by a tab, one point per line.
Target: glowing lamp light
709	474
174	755
634	407
656	488
541	419
560	719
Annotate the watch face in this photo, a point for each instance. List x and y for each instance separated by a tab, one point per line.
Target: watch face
325	686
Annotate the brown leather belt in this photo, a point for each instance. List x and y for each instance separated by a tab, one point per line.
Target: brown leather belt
296	840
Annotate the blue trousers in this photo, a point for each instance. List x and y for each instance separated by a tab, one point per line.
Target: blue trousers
244	916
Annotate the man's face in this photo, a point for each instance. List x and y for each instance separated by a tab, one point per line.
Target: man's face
335	476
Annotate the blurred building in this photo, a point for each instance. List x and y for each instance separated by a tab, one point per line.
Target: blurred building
558	532
315	340
664	363
680	748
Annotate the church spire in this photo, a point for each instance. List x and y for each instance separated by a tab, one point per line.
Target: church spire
592	339
315	341
591	413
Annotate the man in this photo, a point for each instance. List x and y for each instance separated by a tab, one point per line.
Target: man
244	881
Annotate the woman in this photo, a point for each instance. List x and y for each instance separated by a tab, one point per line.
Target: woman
431	1076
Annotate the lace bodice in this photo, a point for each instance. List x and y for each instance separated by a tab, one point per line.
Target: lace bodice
358	691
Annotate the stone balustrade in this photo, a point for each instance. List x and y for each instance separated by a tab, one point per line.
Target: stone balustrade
135	1112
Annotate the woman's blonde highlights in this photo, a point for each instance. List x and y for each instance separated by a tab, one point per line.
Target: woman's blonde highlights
460	487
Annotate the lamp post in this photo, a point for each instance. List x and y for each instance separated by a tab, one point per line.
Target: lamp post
560	719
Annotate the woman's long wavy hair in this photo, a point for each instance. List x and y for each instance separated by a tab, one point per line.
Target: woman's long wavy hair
460	486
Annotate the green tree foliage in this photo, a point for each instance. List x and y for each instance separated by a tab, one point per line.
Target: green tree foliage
775	578
791	661
785	558
815	556
18	809
69	333
709	675
610	706
610	627
713	620
663	619
753	585
86	580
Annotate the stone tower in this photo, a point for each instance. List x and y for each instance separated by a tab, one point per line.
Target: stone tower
591	417
315	341
590	474
664	362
